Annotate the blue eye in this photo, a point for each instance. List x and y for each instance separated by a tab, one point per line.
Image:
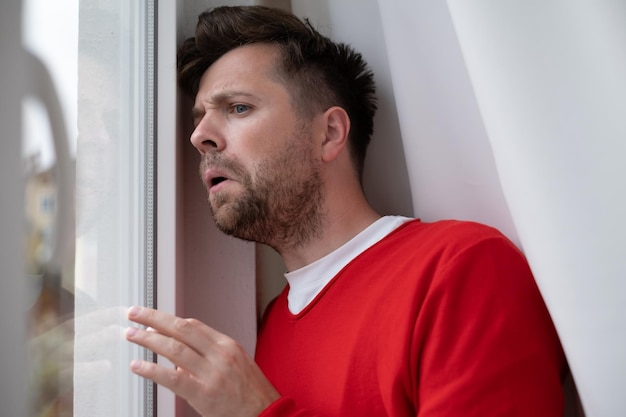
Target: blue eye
240	108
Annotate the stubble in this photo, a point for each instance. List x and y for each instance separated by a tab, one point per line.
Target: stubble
281	205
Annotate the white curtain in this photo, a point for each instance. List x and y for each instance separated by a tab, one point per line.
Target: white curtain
528	97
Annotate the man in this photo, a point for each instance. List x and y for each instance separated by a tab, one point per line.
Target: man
383	316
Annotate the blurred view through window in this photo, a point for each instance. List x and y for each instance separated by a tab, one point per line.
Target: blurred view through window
98	53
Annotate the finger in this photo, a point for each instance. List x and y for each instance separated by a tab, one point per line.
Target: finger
176	351
179	381
192	332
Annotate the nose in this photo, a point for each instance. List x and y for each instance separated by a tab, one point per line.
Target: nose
205	137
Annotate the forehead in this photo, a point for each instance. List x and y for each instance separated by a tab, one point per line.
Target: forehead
249	67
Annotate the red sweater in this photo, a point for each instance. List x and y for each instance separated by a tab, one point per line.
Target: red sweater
437	319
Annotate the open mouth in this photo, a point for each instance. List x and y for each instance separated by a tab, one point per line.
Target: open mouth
217	180
214	177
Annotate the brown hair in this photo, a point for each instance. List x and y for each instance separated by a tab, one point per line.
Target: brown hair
321	72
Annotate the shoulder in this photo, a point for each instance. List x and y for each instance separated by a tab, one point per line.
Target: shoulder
446	242
447	232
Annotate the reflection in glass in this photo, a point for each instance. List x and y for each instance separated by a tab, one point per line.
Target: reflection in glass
96	53
48	249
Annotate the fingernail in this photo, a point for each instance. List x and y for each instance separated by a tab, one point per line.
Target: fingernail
133	311
131	331
135	365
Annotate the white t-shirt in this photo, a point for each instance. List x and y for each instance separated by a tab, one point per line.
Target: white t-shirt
305	283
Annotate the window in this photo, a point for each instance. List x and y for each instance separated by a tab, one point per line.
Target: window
100	56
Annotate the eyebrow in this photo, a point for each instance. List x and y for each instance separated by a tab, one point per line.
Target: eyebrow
218	98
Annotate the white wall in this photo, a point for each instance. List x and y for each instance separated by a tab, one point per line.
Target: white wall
357	22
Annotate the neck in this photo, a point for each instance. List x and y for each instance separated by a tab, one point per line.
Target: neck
341	223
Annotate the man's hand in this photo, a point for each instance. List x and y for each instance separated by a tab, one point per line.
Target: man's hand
213	372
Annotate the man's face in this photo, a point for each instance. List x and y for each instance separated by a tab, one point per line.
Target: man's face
259	160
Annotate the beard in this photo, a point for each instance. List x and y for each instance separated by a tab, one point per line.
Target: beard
281	205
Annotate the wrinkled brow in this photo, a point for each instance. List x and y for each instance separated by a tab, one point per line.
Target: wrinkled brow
217	99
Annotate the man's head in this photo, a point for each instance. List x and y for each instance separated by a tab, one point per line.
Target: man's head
262	162
318	72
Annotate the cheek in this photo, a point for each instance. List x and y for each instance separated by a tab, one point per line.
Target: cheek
257	152
269	146
270	128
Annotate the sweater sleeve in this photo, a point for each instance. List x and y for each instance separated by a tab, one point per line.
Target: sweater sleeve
484	343
285	407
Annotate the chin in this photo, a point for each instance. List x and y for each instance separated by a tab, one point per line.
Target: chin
226	219
239	218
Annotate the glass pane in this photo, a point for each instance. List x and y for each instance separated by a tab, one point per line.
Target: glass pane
98	53
50	281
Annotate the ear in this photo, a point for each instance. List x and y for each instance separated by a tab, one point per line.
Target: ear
337	128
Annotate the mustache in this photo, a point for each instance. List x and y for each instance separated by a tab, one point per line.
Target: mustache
219	162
